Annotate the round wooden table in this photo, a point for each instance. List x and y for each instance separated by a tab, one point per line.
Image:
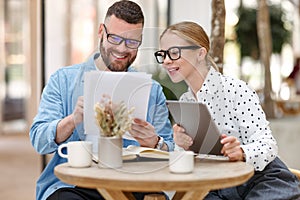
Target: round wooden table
155	176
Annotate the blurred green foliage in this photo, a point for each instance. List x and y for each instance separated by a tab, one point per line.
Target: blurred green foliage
246	30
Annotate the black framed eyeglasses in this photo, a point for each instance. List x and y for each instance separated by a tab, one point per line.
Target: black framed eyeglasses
174	53
117	40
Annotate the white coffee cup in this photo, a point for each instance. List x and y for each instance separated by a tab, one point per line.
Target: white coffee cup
181	161
79	153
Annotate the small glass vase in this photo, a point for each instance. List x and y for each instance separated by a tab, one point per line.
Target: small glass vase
110	152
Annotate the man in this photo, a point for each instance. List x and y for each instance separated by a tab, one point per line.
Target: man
61	107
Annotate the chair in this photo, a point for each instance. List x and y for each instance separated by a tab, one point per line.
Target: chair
296	172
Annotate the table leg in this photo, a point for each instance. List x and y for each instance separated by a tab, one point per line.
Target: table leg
189	195
129	195
114	194
178	195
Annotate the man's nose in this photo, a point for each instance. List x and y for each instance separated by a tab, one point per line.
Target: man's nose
122	47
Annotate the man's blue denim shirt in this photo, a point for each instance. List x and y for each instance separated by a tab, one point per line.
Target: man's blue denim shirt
58	100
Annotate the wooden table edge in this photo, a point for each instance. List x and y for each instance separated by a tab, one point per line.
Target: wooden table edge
155	185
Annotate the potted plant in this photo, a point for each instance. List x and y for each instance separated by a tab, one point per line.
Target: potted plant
113	119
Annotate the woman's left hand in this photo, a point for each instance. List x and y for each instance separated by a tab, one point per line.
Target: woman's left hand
231	148
181	138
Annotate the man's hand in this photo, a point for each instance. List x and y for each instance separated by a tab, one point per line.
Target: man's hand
67	125
181	138
144	133
78	111
231	148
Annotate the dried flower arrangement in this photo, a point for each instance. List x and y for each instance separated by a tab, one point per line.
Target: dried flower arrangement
113	119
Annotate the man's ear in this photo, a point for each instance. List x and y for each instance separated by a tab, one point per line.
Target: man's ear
100	30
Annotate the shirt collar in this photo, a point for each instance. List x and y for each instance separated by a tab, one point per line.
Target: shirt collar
211	81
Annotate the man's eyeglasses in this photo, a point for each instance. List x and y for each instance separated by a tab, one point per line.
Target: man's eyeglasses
174	53
116	40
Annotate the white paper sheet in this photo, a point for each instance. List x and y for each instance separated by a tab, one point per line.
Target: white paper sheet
131	87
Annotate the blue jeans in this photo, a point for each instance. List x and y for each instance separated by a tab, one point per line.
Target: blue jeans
274	182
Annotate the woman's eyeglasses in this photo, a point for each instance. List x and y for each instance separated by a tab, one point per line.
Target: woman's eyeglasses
174	53
116	40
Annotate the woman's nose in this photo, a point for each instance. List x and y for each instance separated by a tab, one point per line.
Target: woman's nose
167	60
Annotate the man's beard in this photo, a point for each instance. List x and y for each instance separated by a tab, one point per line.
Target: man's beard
116	65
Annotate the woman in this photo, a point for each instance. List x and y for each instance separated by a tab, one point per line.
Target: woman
246	135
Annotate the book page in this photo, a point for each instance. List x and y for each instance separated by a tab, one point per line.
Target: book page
145	152
135	152
133	88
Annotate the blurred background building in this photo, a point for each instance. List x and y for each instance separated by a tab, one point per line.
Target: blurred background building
39	36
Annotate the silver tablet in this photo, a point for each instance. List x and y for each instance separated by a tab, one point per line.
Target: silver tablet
197	122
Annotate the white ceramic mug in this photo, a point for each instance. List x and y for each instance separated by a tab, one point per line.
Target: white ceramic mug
181	161
79	153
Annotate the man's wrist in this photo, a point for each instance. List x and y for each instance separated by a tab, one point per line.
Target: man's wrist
160	143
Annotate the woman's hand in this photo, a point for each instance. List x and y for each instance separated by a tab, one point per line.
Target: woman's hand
181	138
231	148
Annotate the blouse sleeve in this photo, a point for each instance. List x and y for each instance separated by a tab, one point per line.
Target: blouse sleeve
258	143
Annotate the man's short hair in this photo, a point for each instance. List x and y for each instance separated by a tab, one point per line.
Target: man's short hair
127	11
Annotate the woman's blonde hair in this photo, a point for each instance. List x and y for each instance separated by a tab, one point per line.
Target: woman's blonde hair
193	33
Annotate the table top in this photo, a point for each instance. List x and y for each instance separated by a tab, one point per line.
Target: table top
155	176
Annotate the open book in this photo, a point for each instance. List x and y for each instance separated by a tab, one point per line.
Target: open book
140	153
137	153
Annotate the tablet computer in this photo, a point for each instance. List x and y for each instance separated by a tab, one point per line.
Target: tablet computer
195	118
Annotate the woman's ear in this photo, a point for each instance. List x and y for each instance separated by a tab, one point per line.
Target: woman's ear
202	54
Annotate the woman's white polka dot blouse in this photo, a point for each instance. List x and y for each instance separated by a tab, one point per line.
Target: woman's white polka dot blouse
237	111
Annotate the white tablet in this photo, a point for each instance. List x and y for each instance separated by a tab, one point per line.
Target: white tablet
197	122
